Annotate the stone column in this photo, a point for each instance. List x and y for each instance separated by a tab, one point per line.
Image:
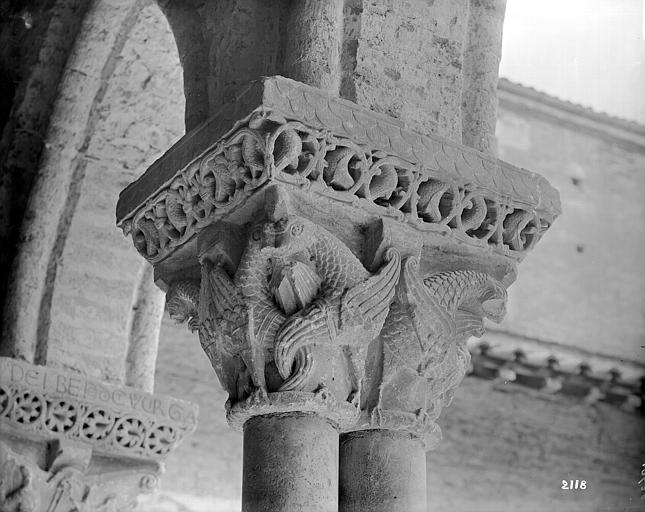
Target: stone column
382	471
334	256
290	463
333	264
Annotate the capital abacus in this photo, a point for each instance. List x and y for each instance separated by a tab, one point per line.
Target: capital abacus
119	398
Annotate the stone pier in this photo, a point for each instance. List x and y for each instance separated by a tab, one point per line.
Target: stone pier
329	239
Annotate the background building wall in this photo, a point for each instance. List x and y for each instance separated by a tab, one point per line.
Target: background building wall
139	116
585	287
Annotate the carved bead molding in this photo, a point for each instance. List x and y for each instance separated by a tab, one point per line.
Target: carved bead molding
68	479
284	131
46	404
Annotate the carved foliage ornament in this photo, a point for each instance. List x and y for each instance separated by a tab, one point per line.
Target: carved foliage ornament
358	159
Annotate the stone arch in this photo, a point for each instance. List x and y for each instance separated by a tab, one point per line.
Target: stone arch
72	300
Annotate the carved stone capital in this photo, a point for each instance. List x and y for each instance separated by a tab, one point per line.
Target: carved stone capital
71	444
420	357
279	227
47	404
70	480
285	311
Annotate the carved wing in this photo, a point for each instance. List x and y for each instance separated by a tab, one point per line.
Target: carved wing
222	317
430	318
311	325
220	300
368	303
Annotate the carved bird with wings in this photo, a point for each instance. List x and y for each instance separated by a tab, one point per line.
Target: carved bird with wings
423	341
349	309
237	315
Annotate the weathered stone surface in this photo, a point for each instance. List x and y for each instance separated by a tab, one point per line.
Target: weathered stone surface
72	287
414	366
382	471
37	40
291	132
481	57
290	464
44	404
290	311
68	479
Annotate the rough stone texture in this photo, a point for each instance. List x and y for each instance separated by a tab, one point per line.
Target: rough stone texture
35	40
93	287
404	59
586	285
382	471
482	54
409	62
144	324
504	448
290	464
313	43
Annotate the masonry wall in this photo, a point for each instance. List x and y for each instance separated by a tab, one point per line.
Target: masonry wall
585	285
137	119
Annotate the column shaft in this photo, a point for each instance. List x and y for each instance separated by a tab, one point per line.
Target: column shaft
382	471
290	464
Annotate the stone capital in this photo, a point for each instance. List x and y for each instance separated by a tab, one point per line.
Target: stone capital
68	443
330	259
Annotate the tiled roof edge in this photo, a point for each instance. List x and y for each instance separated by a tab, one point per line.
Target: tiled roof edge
602	123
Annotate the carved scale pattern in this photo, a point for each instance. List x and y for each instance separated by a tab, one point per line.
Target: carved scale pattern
453	192
91	423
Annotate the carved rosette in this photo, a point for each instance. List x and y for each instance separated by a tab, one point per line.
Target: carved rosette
71	444
48	404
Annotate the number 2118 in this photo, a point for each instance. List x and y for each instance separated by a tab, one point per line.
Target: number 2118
571	485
